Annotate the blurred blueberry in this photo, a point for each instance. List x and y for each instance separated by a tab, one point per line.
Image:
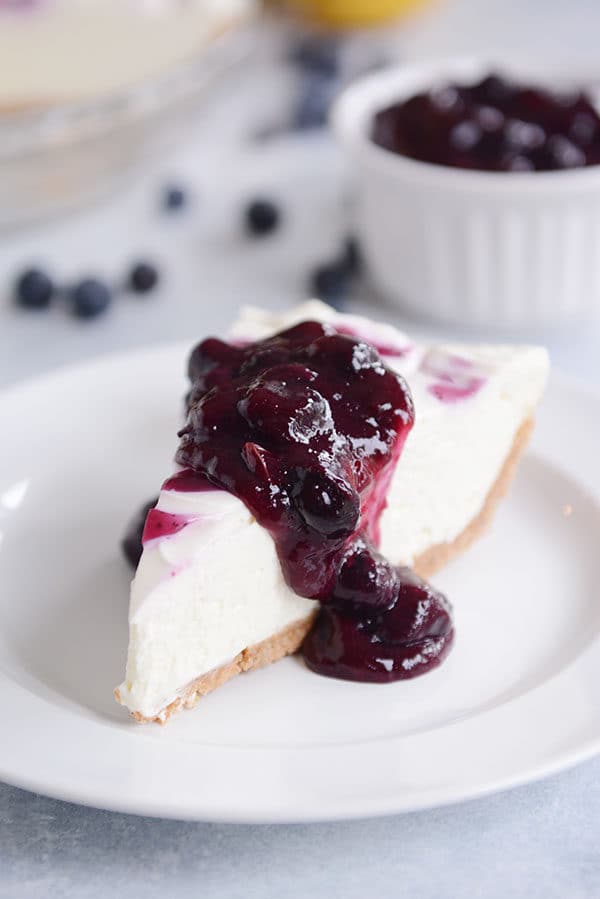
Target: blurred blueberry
262	216
317	54
352	256
143	277
90	298
314	102
330	283
174	197
34	289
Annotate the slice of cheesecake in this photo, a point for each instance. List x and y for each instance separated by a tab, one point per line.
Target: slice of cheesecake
210	598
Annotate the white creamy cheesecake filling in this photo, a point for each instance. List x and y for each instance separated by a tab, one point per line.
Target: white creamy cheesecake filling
201	596
56	50
455	452
215	587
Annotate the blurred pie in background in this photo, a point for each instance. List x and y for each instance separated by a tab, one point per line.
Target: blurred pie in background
53	51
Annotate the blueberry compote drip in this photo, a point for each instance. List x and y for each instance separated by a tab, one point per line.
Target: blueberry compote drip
306	428
188	481
494	125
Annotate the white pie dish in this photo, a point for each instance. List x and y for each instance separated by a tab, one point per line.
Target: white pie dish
496	249
281	744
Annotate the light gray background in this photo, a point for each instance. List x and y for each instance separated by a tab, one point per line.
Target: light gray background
537	841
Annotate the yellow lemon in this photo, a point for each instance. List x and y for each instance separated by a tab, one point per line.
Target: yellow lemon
355	12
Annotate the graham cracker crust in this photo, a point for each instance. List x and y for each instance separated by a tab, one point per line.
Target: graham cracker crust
289	640
436	557
286	642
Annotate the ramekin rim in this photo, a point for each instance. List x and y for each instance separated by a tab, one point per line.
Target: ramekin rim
370	93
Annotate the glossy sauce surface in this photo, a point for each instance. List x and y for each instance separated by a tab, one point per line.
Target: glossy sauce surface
161	524
306	428
494	125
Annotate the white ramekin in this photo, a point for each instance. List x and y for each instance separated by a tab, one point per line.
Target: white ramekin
504	249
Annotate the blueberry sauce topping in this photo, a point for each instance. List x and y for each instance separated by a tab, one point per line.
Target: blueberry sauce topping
383	623
384	348
453	377
306	429
494	125
161	524
188	481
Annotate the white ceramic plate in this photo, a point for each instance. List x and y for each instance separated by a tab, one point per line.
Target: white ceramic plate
516	700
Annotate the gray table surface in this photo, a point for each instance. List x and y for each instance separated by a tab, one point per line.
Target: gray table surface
540	840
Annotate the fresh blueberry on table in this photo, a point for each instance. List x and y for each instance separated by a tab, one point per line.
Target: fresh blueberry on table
330	283
319	54
174	198
90	298
262	216
143	277
352	256
34	289
313	104
132	541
